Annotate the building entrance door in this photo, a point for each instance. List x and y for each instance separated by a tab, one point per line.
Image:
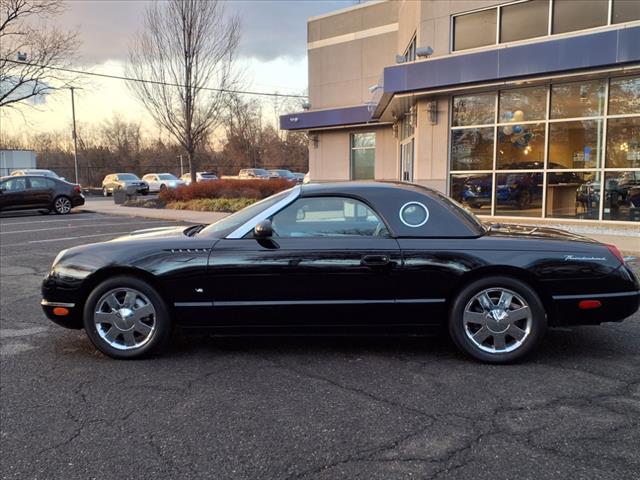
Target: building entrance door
406	160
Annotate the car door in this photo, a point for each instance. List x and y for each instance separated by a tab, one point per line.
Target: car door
331	262
14	194
40	192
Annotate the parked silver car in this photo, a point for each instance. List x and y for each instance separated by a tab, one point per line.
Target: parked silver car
121	181
160	181
200	177
249	173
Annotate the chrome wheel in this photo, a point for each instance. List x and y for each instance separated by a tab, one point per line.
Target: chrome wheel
62	205
497	320
125	318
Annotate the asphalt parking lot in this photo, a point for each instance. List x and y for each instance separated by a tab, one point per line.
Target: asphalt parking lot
298	408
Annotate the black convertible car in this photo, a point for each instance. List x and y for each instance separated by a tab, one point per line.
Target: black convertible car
345	258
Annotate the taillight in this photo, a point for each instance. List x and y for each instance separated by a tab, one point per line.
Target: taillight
616	253
77	189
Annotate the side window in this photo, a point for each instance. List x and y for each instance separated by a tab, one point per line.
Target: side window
40	183
15	184
328	217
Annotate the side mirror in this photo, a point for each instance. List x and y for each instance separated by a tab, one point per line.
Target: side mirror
263	229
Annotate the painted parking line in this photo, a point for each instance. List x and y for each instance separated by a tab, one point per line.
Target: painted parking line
97	225
111	234
3	221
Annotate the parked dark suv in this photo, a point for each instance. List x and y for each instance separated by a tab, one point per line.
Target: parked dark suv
39	193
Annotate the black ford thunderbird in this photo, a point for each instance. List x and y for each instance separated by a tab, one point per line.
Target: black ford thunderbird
343	258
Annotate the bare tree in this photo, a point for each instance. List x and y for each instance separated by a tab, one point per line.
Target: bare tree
186	48
28	52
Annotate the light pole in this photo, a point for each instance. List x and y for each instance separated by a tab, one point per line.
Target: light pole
181	168
75	136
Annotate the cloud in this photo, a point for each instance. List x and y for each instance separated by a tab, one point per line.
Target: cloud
270	29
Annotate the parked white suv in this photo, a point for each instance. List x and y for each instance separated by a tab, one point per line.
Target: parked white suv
35	171
160	181
247	173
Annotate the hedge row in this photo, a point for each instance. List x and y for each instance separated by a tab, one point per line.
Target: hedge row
229	188
229	205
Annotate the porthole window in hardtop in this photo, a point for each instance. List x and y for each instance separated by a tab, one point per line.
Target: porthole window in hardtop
414	214
328	217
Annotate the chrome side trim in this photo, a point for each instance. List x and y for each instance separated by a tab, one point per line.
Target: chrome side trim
47	303
246	227
193	304
270	303
596	295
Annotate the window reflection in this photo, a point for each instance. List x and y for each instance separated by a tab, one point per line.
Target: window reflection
523	104
473	191
622	196
624	95
573	195
580	99
623	143
520	146
472	149
519	194
569	15
575	144
474	109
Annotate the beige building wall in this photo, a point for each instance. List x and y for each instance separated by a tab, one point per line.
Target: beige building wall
432	144
330	156
348	51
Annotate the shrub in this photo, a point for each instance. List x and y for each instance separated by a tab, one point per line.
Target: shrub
229	205
226	188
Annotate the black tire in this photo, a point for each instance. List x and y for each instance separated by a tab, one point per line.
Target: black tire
159	337
62	205
145	192
162	187
461	331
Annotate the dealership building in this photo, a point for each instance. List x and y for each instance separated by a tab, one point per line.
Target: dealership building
515	109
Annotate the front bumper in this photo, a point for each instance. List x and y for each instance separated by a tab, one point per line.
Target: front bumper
73	319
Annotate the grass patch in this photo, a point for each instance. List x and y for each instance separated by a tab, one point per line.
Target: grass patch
228	205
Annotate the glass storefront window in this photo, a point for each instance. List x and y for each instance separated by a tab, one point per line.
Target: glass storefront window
575	144
625	11
523	104
570	15
590	145
473	191
524	20
472	149
623	143
363	156
624	95
578	99
519	194
520	146
622	196
475	29
573	195
474	109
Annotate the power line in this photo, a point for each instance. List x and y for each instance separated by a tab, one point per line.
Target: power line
156	82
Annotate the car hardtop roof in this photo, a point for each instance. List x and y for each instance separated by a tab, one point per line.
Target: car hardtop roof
359	186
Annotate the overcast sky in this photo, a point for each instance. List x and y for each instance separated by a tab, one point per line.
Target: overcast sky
272	55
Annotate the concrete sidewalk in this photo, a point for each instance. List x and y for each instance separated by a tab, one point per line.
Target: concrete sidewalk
107	206
625	237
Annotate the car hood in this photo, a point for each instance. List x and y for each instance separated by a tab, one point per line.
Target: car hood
532	231
153	233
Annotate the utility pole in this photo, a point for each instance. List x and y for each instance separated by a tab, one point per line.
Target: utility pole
75	135
181	168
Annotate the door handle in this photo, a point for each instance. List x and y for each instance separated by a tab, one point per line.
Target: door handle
375	260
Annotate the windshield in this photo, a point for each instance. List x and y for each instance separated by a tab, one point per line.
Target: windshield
233	221
167	176
283	173
127	176
259	171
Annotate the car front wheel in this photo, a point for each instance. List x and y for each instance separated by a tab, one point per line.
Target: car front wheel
497	319
126	318
62	205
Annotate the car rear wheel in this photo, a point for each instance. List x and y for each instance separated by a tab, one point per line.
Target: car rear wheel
125	318
497	320
62	205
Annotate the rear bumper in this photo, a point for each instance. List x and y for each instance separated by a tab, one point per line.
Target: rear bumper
77	201
615	307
